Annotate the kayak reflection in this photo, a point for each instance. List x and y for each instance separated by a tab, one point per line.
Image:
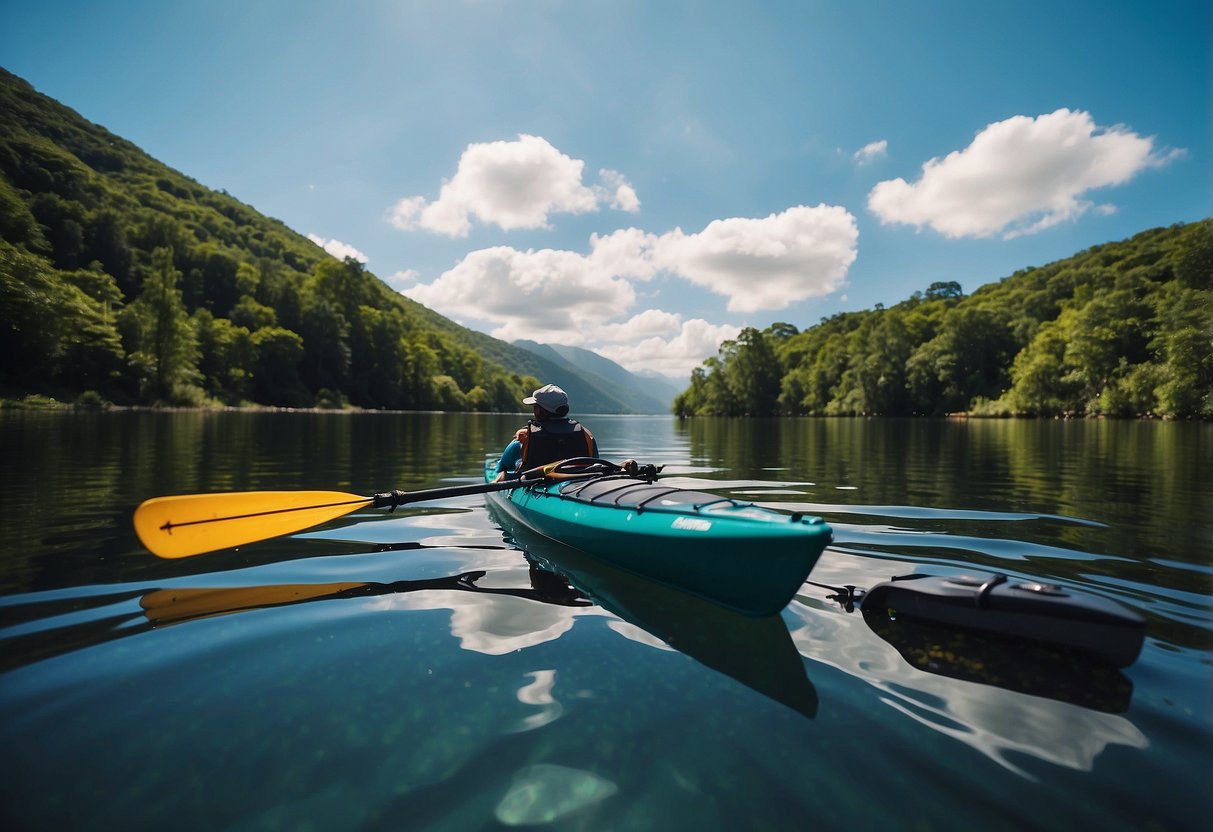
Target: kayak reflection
757	652
1014	665
1058	670
1012	728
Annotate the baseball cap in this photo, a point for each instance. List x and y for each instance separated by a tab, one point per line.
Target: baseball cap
549	397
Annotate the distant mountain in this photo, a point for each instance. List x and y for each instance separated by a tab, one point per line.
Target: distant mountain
628	392
652	386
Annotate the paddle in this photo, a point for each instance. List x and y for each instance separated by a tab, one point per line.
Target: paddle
193	524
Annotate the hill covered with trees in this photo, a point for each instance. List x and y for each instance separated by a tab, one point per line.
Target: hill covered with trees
1122	329
125	279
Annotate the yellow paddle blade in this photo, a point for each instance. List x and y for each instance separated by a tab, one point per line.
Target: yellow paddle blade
191	524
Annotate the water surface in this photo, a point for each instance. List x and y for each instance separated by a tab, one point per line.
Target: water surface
419	671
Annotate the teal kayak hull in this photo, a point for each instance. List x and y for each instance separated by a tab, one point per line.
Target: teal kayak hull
746	558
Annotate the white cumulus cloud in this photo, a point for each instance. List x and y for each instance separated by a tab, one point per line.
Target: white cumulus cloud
588	299
651	323
767	263
402	279
677	356
547	295
616	191
627	252
870	151
337	248
512	184
1018	176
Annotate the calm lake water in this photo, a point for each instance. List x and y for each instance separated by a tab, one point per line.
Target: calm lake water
418	671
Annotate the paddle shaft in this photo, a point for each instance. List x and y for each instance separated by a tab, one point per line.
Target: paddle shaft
391	499
563	470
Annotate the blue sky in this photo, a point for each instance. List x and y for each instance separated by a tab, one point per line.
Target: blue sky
644	178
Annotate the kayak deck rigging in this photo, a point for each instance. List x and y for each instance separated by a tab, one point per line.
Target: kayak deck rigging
626	492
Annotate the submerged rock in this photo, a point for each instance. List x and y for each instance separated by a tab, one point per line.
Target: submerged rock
543	793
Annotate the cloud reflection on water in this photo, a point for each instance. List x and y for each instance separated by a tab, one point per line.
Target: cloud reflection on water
1001	724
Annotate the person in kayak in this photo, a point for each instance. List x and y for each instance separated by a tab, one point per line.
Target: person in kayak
548	437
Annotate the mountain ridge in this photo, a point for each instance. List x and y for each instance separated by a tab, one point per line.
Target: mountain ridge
635	392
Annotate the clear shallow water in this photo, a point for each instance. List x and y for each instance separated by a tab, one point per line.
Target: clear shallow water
418	671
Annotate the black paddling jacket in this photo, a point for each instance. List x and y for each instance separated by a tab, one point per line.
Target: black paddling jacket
553	440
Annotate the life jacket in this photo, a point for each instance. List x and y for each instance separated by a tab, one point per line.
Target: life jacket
553	440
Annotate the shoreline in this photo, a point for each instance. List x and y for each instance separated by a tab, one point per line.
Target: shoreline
36	403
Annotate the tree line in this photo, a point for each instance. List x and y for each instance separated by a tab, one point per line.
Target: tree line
125	280
1123	329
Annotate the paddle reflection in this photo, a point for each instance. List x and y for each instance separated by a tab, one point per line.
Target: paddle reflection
173	606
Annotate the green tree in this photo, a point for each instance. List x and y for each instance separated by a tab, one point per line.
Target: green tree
450	397
325	332
380	378
1041	381
1108	334
967	359
159	335
944	290
93	357
343	284
1184	346
881	365
709	393
812	386
692	400
50	329
276	371
220	288
252	315
107	244
227	356
752	375
17	224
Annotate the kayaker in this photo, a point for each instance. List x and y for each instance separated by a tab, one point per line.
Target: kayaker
548	437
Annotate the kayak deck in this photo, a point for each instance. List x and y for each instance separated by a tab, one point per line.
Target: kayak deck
744	557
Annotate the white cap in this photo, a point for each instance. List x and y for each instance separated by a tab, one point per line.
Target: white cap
550	397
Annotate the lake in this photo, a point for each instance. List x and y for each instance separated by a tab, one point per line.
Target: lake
416	670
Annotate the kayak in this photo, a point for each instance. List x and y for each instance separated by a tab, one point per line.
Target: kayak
750	559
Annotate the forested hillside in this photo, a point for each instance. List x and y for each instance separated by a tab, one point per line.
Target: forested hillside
122	277
1123	329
